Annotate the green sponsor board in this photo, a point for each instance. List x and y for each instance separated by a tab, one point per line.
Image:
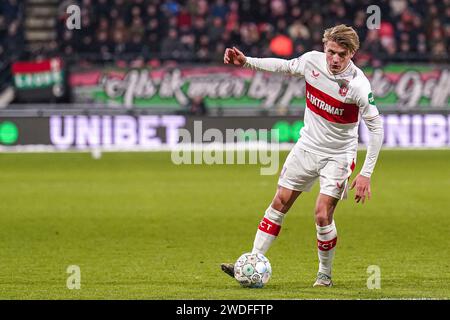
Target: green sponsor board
38	80
37	74
395	86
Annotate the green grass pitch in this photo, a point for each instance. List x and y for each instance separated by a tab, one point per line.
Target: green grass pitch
140	227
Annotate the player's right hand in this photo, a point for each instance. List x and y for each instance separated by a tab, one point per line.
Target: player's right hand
234	56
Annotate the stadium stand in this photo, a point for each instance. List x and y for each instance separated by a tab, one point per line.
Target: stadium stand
11	37
199	30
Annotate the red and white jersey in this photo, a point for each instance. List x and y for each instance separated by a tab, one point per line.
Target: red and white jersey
335	103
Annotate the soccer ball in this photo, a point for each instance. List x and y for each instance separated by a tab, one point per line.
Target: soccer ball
252	270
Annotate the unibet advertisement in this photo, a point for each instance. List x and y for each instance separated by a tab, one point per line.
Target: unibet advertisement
152	132
394	87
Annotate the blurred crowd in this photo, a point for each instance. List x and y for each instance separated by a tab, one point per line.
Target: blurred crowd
11	36
200	30
11	28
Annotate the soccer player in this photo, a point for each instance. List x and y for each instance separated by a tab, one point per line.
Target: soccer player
338	95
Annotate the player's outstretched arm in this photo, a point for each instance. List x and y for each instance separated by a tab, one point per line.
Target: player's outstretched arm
235	57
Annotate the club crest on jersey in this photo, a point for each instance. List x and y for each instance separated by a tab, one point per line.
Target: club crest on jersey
343	88
315	74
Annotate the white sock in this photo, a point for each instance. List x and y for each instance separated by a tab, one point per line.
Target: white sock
326	245
268	230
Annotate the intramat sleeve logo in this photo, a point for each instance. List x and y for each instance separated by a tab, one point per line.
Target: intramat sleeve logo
371	99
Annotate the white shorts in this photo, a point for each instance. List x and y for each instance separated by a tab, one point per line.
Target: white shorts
302	168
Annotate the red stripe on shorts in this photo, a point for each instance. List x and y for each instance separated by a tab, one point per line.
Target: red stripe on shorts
269	227
326	245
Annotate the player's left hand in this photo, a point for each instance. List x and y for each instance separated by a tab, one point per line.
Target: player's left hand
362	185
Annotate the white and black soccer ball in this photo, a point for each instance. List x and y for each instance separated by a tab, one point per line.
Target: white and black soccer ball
252	270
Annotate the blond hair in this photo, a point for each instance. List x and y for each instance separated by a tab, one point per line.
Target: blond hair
344	36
